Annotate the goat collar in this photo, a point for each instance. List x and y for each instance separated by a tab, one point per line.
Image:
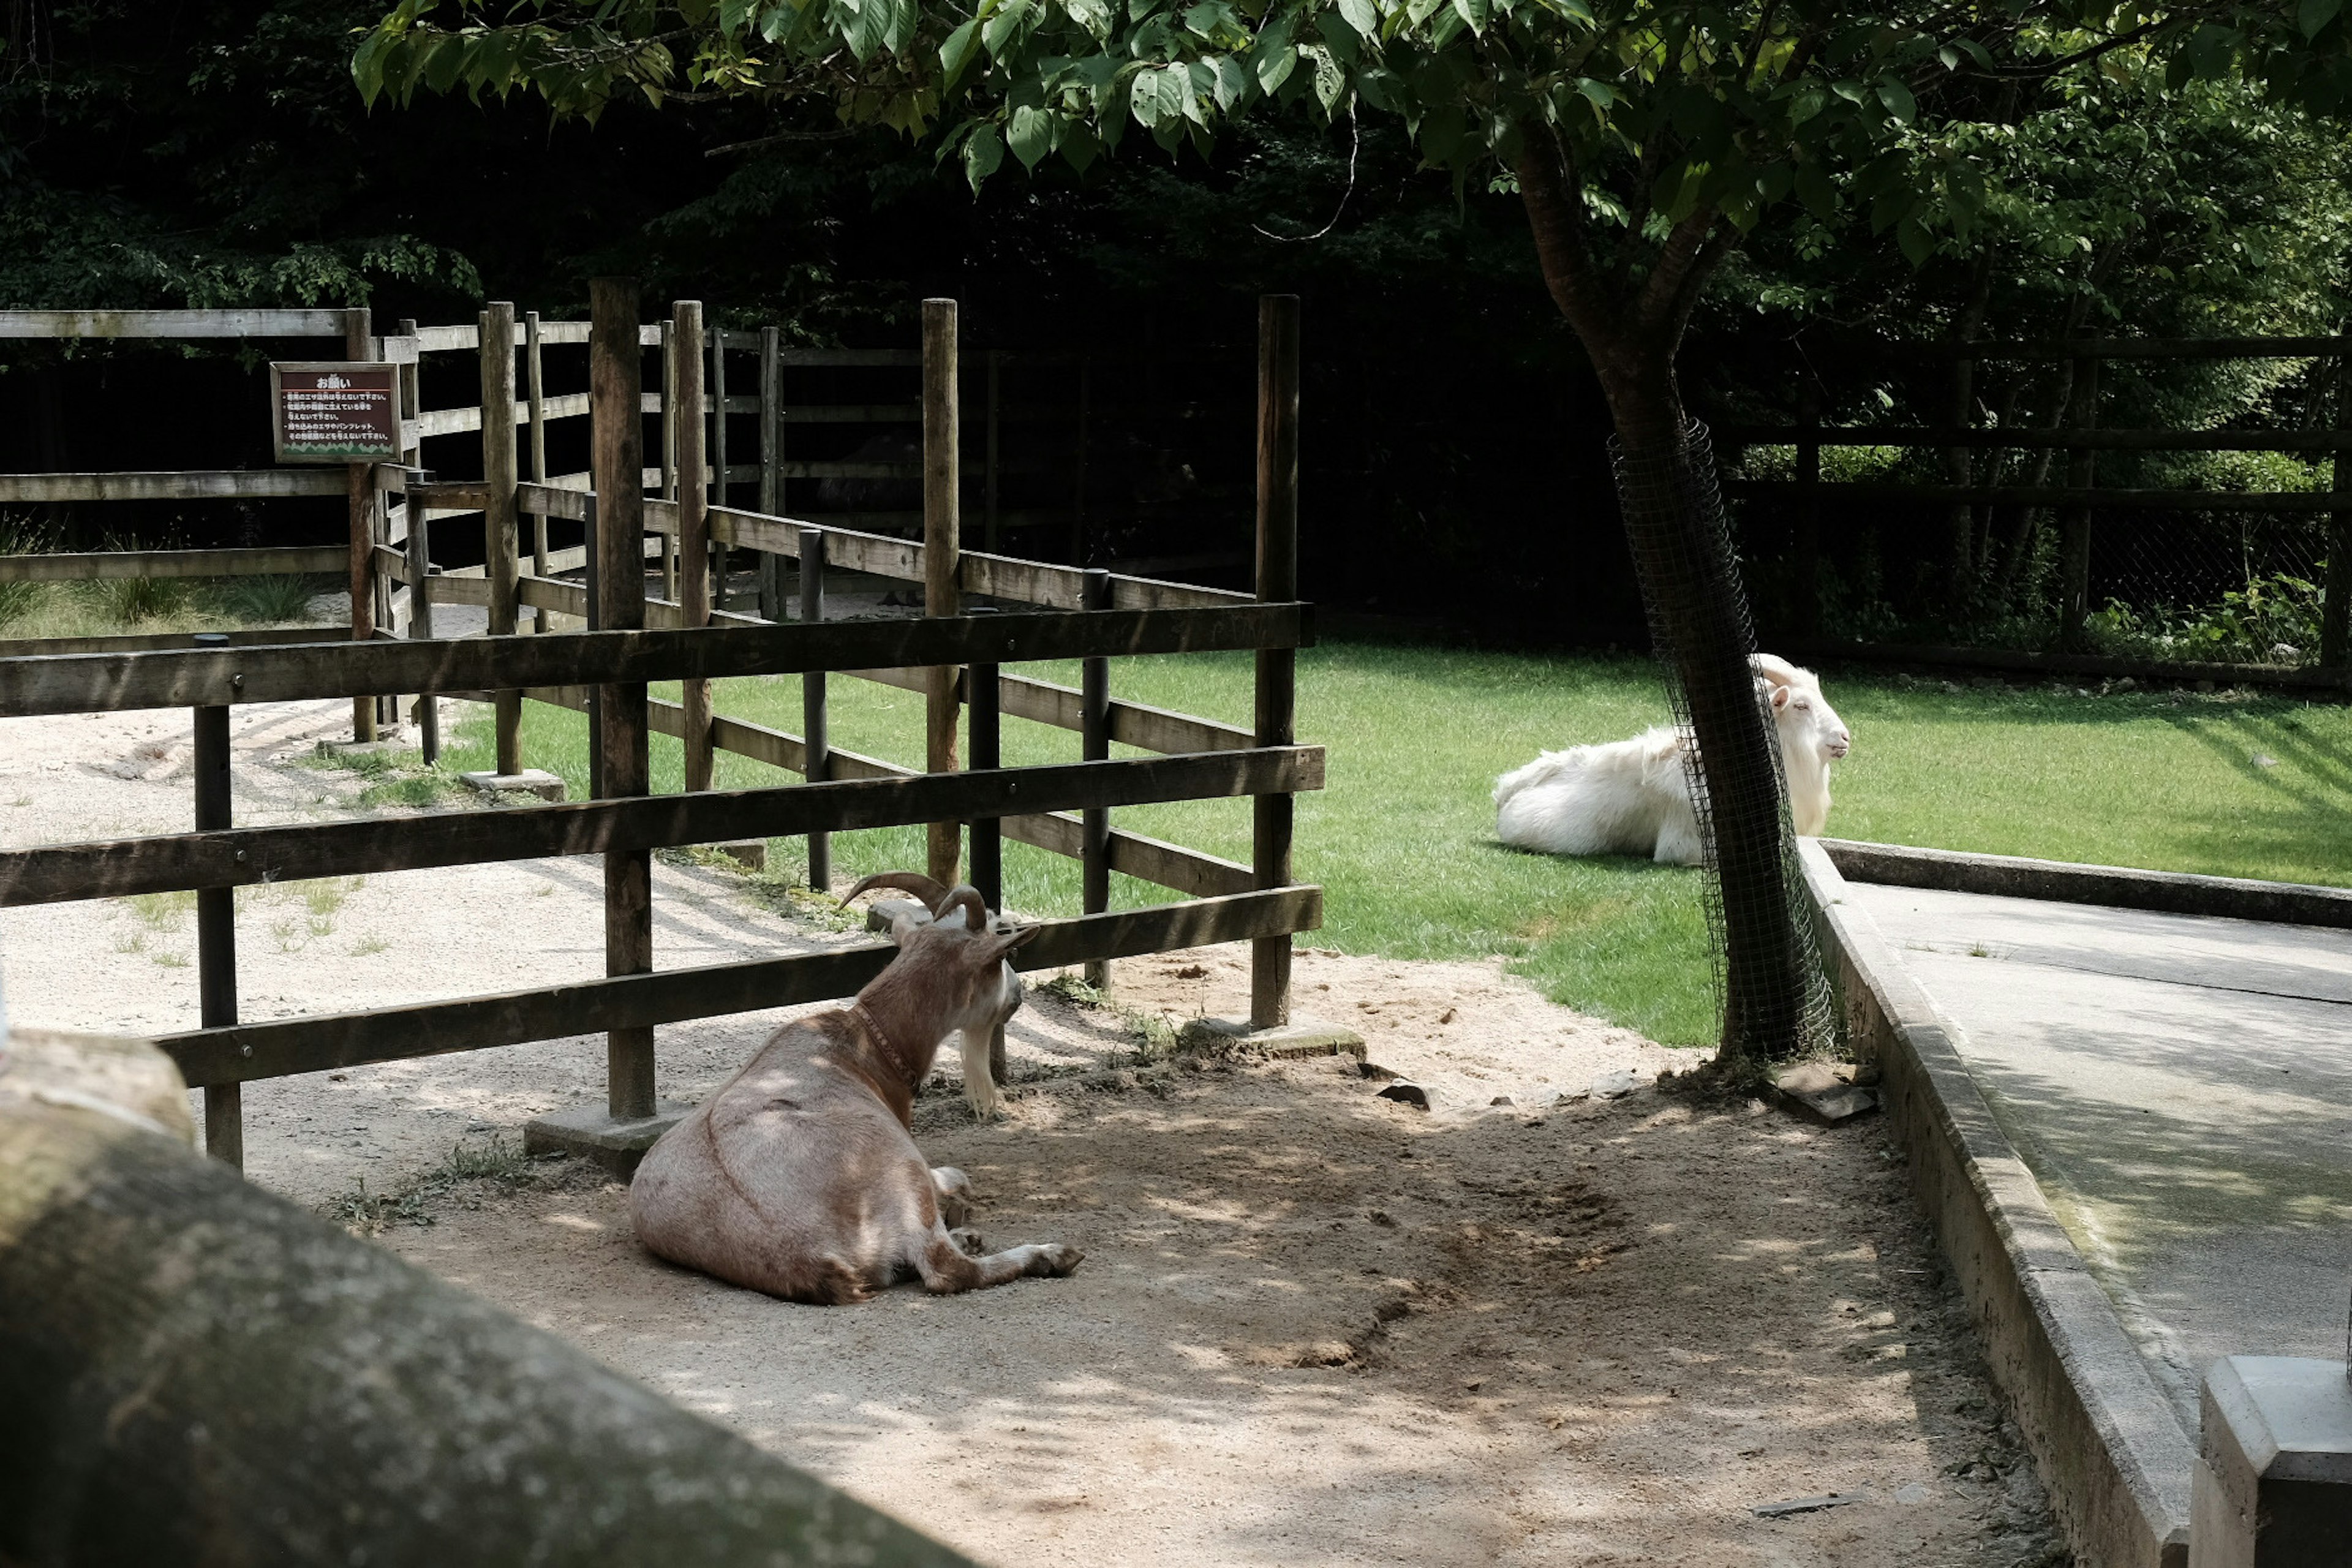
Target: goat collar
900	1066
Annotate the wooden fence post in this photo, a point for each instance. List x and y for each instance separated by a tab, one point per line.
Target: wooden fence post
535	386
216	926
412	455
693	523
1808	551
717	552
942	512
360	482
502	544
616	393
420	620
771	464
2336	604
1078	493
2074	524
1094	717
1277	582
985	692
817	765
669	455
988	491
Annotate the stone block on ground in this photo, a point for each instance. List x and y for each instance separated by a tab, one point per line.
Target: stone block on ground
751	854
2273	1486
883	913
1615	1085
1822	1091
592	1132
1302	1036
530	780
1405	1093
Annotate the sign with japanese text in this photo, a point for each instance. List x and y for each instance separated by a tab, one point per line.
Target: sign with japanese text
335	412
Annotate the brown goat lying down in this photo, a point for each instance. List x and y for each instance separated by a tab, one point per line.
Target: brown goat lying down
800	1177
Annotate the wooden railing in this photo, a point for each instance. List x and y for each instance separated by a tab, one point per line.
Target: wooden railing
1043	612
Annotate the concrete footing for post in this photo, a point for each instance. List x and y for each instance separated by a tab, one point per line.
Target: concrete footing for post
2272	1487
1301	1036
530	780
592	1132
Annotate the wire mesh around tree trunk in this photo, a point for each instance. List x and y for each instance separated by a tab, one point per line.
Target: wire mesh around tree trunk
1766	950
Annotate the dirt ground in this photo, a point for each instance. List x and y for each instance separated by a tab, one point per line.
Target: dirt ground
1312	1325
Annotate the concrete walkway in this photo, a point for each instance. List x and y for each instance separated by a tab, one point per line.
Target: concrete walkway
2182	1089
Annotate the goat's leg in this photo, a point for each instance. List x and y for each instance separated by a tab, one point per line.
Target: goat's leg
979	1084
947	1271
953	1189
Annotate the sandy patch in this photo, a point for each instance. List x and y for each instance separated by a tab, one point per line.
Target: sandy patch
1312	1325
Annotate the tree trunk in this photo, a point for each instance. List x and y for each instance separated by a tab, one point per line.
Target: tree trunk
1690	586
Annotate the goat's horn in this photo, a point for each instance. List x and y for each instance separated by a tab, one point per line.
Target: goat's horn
927	889
966	898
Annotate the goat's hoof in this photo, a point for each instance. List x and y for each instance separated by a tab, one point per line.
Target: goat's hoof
969	1241
988	1111
1059	1258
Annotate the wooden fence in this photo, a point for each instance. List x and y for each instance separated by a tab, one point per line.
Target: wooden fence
2076	431
628	640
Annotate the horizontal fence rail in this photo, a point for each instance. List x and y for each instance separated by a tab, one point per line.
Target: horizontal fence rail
84	683
194	484
247	855
241	1053
173	323
110	565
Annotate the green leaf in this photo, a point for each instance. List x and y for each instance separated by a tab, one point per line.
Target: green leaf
1330	83
1030	135
956	53
1898	101
1000	28
1273	67
1080	146
1365	16
1213	19
982	155
1472	13
1339	38
1231	83
1918	243
1814	189
2314	15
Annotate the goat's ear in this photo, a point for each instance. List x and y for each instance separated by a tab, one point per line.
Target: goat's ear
1781	698
996	947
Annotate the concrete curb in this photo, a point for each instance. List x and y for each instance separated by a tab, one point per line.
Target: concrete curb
2116	887
2104	1436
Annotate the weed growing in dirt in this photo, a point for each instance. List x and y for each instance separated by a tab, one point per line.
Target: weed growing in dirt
368	945
1154	1034
779	893
23	536
171	959
396	779
162	912
497	1162
276	599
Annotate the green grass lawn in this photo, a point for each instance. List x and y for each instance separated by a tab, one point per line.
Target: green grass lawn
1403	839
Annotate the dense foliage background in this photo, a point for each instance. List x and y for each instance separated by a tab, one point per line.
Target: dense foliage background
217	153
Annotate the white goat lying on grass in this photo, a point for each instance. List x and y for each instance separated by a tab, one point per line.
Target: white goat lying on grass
1633	797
